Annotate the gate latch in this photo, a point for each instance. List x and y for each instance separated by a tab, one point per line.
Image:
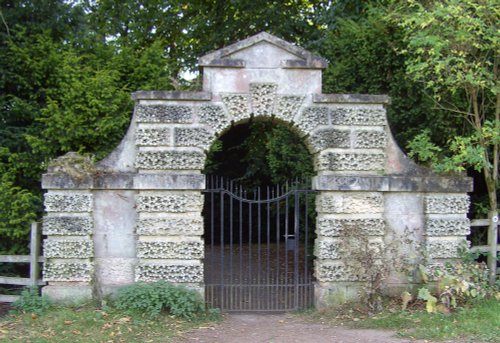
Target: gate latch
291	242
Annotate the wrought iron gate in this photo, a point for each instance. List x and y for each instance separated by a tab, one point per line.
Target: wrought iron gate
258	248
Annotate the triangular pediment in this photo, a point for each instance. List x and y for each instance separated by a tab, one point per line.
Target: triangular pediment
263	50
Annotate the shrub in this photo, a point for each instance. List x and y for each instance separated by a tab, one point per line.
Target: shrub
31	302
153	298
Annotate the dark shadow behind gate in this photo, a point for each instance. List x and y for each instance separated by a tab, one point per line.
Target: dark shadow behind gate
258	246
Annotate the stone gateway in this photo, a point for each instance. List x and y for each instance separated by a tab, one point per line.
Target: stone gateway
137	214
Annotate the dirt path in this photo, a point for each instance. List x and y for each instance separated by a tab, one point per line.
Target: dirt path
249	328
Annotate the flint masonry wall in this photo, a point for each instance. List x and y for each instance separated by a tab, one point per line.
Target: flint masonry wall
138	216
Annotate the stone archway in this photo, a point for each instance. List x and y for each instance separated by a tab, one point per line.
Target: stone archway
139	217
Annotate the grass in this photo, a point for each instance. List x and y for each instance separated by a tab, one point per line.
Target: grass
478	323
89	324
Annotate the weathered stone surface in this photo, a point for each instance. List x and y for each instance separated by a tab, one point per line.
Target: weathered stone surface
68	271
446	203
446	247
350	202
187	250
169	180
351	98
68	248
331	138
171	95
447	227
369	139
336	226
312	117
164	114
263	95
193	137
214	116
351	161
70	226
170	160
288	106
237	105
358	116
328	250
170	226
68	202
153	137
172	202
336	271
175	273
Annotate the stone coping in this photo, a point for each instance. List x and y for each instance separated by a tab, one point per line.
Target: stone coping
171	95
351	99
189	181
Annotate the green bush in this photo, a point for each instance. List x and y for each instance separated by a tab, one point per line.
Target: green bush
31	302
152	298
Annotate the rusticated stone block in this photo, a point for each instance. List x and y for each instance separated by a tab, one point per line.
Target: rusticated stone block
335	227
328	250
447	227
358	116
288	106
71	226
351	202
331	138
68	248
187	250
446	203
195	137
68	202
369	139
351	161
153	137
338	248
446	248
68	271
263	95
164	114
175	273
237	105
214	116
170	226
170	160
311	118
327	272
173	202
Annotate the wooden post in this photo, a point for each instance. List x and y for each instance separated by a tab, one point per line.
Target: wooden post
493	245
34	254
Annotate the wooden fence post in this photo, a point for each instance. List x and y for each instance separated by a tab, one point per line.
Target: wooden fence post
492	243
34	254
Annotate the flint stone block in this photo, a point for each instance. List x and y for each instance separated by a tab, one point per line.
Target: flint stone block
334	227
351	202
337	271
68	271
311	118
193	137
214	116
446	203
68	248
170	250
330	138
68	202
175	273
447	227
170	226
153	137
446	248
170	160
288	106
351	161
178	202
263	95
164	114
237	105
358	116
67	226
369	139
332	249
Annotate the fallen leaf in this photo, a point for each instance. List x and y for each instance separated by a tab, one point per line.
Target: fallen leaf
68	322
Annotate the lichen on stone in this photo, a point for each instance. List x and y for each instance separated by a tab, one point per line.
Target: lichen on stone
73	164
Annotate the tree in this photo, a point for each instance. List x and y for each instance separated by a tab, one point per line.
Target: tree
453	49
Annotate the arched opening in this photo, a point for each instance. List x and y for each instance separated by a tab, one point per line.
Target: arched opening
259	219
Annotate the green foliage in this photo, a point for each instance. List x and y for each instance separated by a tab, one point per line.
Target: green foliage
31	302
152	299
